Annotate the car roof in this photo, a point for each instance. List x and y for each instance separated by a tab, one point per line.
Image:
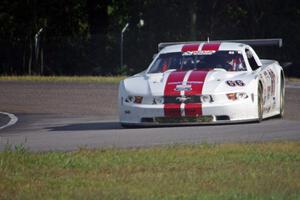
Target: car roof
224	46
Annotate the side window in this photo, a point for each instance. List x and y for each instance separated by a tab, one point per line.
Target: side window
251	60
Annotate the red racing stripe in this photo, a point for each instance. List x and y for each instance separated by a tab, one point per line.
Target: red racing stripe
211	46
170	109
190	47
196	79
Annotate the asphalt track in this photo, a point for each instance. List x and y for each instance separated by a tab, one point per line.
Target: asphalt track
68	116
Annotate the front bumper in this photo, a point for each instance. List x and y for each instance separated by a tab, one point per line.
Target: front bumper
230	112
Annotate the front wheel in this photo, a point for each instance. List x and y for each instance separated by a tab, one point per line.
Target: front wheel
260	103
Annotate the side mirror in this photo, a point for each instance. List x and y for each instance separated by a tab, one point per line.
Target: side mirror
286	64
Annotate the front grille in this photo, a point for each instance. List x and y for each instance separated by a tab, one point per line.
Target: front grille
199	119
147	120
176	99
222	117
186	119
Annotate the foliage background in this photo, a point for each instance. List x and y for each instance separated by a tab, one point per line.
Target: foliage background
82	37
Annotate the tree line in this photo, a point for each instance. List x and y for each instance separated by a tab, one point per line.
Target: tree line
82	37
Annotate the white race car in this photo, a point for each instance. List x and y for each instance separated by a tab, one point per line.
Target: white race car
204	82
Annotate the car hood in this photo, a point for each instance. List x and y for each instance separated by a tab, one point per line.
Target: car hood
214	81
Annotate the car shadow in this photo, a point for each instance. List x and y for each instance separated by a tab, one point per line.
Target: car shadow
87	126
92	126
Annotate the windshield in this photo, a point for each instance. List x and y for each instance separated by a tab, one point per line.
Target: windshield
199	60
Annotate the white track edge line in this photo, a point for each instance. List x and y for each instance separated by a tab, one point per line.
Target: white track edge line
12	121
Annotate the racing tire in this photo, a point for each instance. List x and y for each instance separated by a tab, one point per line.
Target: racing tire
260	108
282	94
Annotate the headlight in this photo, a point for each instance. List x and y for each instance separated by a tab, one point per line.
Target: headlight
134	99
241	95
158	100
237	96
206	99
129	99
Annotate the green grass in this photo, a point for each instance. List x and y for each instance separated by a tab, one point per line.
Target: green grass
226	171
82	79
293	79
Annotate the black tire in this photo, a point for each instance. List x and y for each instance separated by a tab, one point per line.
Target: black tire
260	108
282	94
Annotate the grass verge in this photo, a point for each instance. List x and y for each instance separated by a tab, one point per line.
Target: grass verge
81	79
294	79
226	171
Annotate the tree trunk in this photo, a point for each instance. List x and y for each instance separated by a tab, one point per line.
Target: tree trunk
30	58
193	25
42	61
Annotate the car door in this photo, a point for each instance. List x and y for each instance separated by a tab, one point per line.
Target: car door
267	76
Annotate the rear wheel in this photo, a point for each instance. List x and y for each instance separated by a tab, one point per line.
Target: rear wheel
260	103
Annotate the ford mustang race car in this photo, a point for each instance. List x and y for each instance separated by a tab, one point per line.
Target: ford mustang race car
204	82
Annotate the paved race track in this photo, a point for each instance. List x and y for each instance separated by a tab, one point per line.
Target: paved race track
66	116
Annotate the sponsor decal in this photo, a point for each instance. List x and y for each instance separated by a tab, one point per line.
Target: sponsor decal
267	109
197	53
272	76
193	49
183	99
183	88
269	82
